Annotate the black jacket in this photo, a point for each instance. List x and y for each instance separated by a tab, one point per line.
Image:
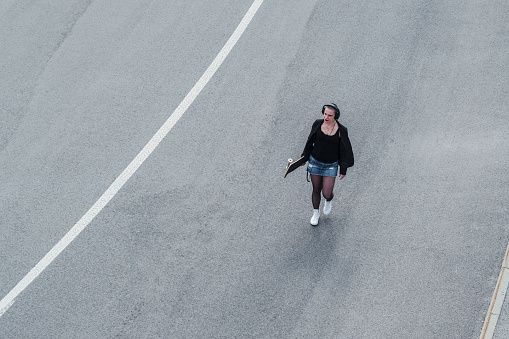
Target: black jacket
345	147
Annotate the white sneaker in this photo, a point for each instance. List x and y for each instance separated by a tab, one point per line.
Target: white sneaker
315	217
327	207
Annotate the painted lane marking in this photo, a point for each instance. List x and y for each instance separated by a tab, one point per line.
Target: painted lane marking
497	301
9	299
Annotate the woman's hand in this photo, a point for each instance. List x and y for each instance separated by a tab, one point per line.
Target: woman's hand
303	164
341	176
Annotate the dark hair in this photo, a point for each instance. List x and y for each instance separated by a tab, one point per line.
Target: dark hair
334	107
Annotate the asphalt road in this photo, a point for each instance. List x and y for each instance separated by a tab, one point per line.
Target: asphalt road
207	240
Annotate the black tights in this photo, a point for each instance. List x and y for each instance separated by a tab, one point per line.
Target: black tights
322	185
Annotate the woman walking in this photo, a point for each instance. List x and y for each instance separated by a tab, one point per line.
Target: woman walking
327	148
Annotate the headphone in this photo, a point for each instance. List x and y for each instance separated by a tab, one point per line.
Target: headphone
334	107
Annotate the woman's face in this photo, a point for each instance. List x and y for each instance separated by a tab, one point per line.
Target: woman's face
328	114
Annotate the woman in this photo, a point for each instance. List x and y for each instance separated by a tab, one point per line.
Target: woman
327	148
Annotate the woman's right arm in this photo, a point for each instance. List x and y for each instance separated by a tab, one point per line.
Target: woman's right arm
311	140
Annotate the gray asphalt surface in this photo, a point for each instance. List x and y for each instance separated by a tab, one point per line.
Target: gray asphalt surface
207	240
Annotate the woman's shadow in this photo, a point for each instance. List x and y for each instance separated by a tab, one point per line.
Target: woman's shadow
317	249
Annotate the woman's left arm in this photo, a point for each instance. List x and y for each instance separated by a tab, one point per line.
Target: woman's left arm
345	153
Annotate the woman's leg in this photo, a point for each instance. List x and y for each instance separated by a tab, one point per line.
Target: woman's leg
316	180
328	187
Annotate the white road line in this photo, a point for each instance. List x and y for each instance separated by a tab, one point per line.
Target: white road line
497	301
9	299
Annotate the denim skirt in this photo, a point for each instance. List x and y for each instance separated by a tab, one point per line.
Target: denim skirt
321	168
